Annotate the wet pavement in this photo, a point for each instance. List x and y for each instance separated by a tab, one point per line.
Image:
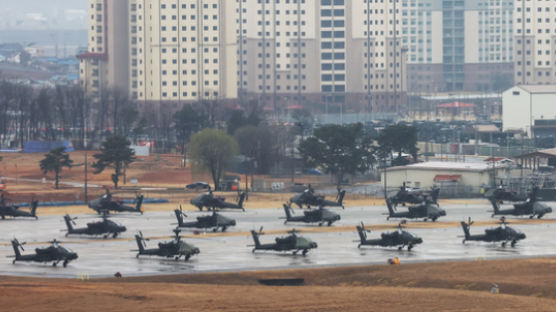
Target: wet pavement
103	257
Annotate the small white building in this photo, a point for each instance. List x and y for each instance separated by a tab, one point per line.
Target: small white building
428	174
523	105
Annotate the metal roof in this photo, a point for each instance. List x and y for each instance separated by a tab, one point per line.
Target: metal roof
546	89
448	166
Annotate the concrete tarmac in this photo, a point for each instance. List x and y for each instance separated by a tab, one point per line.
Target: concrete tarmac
100	257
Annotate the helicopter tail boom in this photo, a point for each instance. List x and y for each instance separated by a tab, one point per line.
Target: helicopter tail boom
34	205
256	239
15	245
465	228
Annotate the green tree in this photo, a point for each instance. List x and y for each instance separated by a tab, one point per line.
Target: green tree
258	143
186	121
251	114
398	138
56	160
213	150
339	150
114	153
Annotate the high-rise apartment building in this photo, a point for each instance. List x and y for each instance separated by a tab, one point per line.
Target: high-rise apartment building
535	42
458	45
182	50
105	65
322	52
326	52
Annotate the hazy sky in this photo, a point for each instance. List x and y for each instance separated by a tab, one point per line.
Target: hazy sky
43	14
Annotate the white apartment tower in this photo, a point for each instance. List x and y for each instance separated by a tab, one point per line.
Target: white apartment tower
283	52
535	42
182	50
105	63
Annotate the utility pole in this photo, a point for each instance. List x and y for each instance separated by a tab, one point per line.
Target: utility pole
85	184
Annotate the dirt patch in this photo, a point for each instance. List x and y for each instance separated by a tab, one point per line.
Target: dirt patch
525	285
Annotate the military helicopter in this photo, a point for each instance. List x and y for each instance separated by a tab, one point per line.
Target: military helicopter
210	201
106	204
501	194
413	196
503	234
105	227
16	212
54	253
320	215
309	199
531	207
399	238
215	221
175	248
426	210
293	242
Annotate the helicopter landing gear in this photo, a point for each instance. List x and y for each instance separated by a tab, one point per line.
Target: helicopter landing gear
359	246
463	241
400	248
187	257
531	217
409	247
504	244
387	218
137	256
305	251
329	223
54	264
177	258
253	251
65	264
114	235
539	216
224	228
434	219
513	243
320	224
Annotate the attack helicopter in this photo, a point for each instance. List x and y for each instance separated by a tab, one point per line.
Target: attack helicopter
175	248
428	210
501	194
413	196
15	211
320	216
55	253
210	201
107	204
293	242
503	234
105	227
215	221
399	238
309	199
531	207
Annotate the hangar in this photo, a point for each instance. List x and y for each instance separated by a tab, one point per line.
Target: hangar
453	178
527	107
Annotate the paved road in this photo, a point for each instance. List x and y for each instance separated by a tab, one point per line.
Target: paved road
99	257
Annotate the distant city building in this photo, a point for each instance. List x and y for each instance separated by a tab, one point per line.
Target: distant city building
106	63
535	42
458	45
317	52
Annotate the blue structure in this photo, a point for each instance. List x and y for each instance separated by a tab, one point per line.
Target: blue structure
46	146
